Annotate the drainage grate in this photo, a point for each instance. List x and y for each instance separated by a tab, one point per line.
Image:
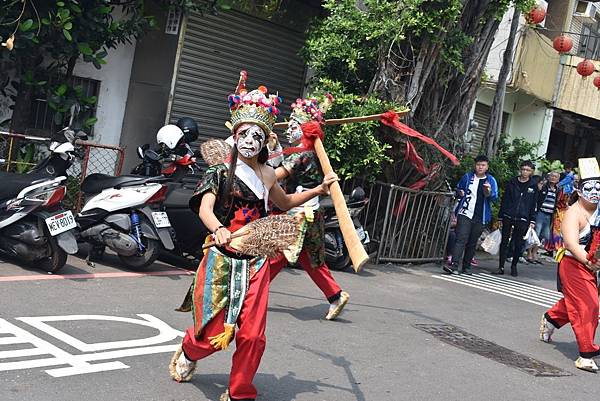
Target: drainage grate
477	345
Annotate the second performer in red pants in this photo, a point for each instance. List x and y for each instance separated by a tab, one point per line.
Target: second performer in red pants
577	270
300	170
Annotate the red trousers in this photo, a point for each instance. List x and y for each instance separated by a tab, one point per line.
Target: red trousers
320	275
250	337
579	305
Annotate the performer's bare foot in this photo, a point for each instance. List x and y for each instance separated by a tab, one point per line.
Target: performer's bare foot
335	308
181	369
225	396
546	330
587	364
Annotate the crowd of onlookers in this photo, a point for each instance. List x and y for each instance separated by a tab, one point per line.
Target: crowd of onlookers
530	203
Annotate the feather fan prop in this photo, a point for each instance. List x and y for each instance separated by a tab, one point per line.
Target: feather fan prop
267	236
215	151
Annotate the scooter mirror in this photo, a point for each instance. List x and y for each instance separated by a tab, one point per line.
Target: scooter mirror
81	135
358	194
75	109
152	155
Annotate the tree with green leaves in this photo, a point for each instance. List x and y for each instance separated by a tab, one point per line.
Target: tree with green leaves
43	40
428	55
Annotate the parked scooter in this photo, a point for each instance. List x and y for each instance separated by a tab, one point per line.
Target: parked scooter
121	212
176	161
34	227
336	253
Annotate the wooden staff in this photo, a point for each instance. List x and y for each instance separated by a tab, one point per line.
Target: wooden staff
355	247
348	120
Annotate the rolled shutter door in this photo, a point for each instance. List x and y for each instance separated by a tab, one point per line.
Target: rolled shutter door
215	49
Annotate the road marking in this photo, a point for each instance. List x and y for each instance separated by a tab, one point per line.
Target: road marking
506	287
39	277
80	363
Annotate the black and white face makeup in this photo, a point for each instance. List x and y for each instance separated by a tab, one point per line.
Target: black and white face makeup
294	131
590	191
250	141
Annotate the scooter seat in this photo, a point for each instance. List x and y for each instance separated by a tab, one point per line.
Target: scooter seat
95	183
13	183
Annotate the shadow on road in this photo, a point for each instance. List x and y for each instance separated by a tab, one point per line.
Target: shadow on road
270	387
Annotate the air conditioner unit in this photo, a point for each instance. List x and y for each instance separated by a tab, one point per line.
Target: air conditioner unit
586	11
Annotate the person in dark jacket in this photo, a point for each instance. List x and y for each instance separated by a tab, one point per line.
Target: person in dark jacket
476	190
518	212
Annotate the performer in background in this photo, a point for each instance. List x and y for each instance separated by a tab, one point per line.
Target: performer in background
299	170
577	269
230	288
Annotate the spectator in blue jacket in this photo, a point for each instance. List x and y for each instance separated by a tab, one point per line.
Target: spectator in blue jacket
476	190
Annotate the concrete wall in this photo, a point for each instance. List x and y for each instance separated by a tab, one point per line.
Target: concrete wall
114	84
149	88
530	118
578	94
494	61
536	65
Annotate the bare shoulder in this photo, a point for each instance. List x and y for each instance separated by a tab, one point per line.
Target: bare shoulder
268	175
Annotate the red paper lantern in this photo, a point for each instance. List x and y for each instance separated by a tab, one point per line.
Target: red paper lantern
563	44
586	68
597	82
536	15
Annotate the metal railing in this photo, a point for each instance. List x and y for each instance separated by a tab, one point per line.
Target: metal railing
405	225
97	158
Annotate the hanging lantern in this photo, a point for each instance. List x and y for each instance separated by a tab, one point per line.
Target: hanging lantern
586	68
536	15
597	82
563	44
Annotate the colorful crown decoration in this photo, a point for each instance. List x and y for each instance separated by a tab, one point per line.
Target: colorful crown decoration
255	107
305	110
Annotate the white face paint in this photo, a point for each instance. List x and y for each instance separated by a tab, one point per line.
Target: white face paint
294	132
251	141
590	191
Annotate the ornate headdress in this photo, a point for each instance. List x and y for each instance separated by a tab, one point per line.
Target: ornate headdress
588	169
255	107
305	110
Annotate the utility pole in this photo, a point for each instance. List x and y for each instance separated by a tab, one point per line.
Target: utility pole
494	126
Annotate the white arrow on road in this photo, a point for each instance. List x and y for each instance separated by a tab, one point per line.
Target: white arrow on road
79	364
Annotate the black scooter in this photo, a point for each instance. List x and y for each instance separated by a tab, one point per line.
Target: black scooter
336	253
187	230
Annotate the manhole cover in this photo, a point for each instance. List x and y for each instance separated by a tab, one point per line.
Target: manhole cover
477	345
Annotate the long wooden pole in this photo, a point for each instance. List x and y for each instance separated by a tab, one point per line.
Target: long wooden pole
347	120
355	247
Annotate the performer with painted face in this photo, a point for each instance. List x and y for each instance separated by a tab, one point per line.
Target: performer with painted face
299	170
230	288
577	269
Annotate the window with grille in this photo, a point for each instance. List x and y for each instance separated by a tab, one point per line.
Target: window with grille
42	116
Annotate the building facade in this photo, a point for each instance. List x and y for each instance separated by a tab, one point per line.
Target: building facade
547	101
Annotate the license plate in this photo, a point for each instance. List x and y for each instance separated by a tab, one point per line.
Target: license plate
161	220
59	223
363	235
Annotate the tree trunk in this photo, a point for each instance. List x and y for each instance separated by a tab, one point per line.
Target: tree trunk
494	126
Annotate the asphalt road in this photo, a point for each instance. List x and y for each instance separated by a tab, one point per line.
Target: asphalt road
82	330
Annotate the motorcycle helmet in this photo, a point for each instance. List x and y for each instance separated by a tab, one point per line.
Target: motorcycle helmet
170	136
189	128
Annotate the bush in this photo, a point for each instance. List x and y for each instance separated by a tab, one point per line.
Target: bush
354	149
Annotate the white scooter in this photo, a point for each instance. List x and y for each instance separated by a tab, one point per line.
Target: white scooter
121	213
34	227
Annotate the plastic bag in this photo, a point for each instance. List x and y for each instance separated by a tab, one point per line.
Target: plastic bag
491	243
531	239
